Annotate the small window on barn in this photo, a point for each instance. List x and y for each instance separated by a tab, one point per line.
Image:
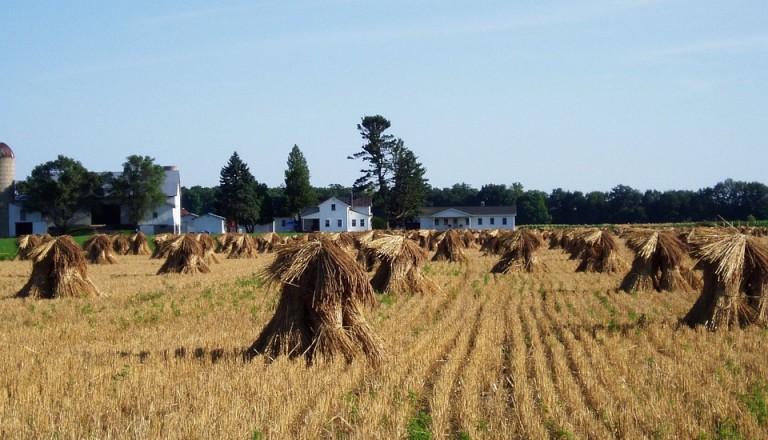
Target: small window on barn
327	223
333	206
338	222
503	220
362	222
354	222
445	221
479	220
437	222
493	220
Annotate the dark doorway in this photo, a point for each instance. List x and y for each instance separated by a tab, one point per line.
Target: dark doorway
23	228
105	215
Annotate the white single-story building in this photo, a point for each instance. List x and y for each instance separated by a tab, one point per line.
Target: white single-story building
468	217
211	223
339	214
278	224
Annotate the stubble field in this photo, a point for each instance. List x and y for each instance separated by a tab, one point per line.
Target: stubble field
557	354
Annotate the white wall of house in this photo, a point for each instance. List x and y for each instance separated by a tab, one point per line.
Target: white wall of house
493	222
457	219
337	216
212	223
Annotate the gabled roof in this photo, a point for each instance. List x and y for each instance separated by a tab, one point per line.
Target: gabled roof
470	210
357	201
212	215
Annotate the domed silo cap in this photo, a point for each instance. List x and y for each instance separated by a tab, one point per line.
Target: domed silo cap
5	150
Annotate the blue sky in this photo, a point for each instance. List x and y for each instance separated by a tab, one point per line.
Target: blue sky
580	95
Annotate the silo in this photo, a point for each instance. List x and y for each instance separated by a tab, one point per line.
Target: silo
7	175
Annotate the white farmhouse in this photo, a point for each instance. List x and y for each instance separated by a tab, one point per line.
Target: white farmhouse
468	217
339	214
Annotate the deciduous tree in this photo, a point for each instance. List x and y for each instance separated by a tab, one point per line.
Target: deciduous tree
139	187
58	188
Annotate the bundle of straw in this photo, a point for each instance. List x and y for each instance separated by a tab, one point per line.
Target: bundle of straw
25	244
208	245
451	248
162	244
121	244
400	269
599	252
520	252
98	250
59	270
139	244
735	275
185	255
268	241
243	246
320	313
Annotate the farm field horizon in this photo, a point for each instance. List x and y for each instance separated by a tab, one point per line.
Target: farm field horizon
553	354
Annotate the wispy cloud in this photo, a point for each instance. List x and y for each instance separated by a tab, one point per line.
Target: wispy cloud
746	43
499	21
407	29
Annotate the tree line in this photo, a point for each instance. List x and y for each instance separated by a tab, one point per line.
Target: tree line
391	175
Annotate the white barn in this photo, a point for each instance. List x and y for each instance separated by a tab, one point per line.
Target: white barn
165	217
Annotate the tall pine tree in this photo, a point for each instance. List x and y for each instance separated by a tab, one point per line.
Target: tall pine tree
239	197
299	194
377	151
409	187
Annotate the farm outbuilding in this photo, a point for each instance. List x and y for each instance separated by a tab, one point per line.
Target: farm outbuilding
215	224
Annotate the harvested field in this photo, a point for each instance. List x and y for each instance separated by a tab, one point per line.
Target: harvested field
555	354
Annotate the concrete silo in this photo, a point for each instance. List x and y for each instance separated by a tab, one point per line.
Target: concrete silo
7	176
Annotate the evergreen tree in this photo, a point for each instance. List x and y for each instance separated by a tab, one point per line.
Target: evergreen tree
299	194
239	197
377	151
409	187
139	187
58	188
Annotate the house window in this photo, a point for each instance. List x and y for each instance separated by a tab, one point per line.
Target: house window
333	206
445	221
479	220
437	222
503	220
493	220
327	223
338	222
282	223
362	222
354	222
